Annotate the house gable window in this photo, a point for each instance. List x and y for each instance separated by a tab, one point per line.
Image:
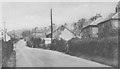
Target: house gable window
114	24
95	32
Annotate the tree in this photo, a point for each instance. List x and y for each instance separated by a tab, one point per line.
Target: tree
78	26
26	33
81	23
75	25
95	17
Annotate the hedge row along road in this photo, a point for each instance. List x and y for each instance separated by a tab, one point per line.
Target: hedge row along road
33	57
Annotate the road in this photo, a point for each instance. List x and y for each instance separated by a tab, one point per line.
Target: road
33	57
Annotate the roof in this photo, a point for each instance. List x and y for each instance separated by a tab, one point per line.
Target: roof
116	16
87	23
65	26
97	21
66	35
118	4
111	16
101	19
68	27
49	30
39	35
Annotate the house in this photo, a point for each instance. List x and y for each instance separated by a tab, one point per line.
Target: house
102	26
118	7
94	27
86	30
4	35
90	29
64	32
48	32
108	27
39	35
67	34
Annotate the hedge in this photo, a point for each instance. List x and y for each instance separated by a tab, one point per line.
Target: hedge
7	49
58	45
105	47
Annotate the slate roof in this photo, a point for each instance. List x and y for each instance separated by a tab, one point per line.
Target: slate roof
87	23
116	16
97	21
54	29
111	16
65	26
102	19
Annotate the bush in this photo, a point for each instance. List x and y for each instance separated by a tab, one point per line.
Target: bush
105	47
58	45
7	49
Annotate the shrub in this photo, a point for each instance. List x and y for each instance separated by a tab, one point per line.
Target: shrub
7	49
104	47
58	45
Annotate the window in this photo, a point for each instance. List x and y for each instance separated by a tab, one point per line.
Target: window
114	24
95	32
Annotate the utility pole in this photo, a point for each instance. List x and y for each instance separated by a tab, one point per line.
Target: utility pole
51	27
35	32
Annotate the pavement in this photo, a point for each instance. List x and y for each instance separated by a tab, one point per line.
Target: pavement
34	57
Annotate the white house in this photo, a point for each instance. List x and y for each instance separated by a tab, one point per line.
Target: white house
63	32
66	34
4	35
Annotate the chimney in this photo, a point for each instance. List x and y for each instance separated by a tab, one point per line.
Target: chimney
116	9
98	15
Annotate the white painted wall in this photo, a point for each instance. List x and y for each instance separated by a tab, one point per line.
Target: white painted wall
66	35
7	37
115	24
47	40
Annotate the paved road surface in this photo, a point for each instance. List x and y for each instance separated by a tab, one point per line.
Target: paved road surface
33	57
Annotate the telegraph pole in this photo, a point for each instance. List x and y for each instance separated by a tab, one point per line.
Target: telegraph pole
35	32
51	27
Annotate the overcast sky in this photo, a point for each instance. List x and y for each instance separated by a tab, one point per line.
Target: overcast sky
20	15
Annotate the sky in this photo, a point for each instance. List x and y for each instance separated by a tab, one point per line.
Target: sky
19	15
